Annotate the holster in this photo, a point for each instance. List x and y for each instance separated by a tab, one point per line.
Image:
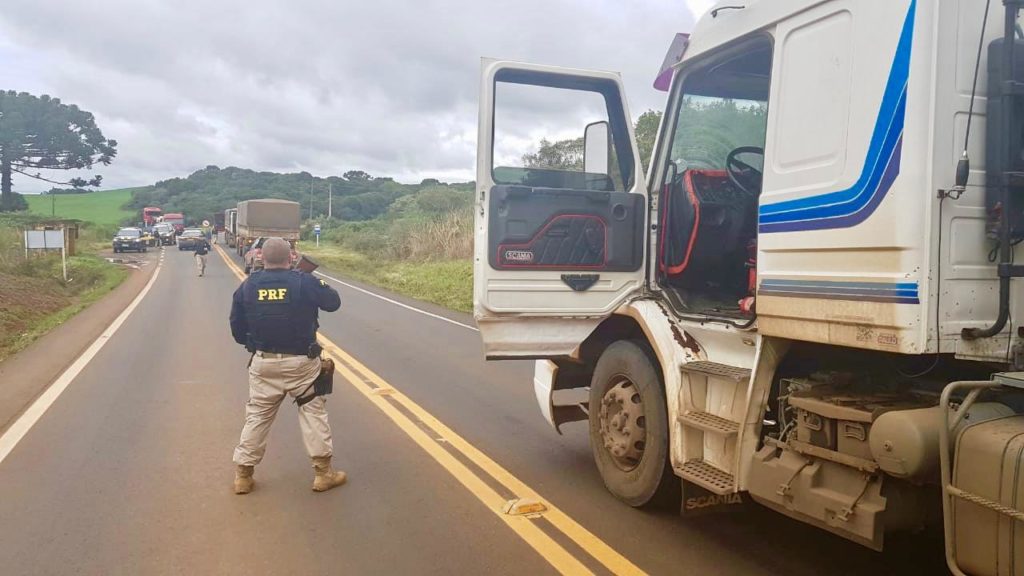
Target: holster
322	385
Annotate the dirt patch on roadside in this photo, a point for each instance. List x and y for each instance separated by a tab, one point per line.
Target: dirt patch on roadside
25	300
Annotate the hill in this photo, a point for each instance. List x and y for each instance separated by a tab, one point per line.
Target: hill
357	195
104	208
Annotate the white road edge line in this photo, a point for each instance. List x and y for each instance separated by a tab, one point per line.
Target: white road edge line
397	303
28	419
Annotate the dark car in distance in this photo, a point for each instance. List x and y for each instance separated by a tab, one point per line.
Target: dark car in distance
190	239
129	239
165	233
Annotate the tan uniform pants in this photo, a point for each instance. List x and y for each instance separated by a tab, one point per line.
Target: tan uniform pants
201	263
272	379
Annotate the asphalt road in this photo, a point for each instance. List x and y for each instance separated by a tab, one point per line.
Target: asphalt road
129	471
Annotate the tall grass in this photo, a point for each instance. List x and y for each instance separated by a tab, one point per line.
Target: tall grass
420	238
425	255
447	237
11	250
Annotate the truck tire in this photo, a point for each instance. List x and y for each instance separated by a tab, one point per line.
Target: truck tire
629	426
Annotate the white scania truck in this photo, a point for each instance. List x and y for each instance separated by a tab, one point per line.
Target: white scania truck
811	299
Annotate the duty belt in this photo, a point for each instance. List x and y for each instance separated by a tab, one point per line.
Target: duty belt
264	354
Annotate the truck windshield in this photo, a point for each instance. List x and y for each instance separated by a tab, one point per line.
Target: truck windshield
722	108
709	127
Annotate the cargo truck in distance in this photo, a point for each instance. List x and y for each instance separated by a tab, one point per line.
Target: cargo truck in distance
230	217
809	299
266	218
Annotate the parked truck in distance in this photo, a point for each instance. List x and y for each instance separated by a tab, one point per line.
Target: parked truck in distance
265	218
151	215
177	220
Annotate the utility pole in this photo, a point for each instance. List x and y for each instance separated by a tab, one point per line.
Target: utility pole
330	198
310	196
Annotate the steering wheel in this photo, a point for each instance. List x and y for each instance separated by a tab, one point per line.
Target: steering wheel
743	175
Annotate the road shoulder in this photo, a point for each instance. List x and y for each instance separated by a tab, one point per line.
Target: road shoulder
380	292
25	375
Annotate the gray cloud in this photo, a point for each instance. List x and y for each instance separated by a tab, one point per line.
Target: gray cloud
383	86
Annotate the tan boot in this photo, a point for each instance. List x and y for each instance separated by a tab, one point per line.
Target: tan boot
326	477
243	479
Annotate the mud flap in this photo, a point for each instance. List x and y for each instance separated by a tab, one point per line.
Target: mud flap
549	377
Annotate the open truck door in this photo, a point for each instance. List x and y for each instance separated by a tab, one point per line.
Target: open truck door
561	208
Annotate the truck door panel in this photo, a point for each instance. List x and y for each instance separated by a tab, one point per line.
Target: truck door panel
534	228
545	217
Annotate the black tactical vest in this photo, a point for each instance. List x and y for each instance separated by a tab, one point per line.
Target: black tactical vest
279	320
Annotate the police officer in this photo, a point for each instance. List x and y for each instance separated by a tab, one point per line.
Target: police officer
202	249
274	315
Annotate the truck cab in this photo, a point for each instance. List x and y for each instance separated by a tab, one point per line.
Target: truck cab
772	311
177	220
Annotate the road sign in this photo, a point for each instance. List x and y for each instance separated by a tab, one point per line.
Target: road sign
48	240
316	229
44	239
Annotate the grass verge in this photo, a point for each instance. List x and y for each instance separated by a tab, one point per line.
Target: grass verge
448	283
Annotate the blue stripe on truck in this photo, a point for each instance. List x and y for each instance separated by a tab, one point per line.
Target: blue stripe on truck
849	207
891	292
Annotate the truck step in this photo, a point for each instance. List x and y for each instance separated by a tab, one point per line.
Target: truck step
708	422
708	477
707	368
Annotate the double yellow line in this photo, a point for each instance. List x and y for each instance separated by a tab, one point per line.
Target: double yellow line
452	452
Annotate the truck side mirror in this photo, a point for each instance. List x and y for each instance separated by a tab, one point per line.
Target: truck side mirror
597	148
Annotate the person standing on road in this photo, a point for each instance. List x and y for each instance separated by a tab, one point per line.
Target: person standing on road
202	249
274	314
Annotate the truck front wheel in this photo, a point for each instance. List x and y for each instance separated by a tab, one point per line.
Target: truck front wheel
629	426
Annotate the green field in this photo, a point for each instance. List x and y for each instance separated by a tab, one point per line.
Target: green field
101	208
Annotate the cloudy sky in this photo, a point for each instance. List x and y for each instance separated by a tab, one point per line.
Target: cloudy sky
384	86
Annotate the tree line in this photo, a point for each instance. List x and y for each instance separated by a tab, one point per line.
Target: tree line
357	195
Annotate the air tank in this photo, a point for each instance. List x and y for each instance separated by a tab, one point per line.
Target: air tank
905	443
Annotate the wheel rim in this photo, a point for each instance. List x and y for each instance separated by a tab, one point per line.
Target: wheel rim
623	430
